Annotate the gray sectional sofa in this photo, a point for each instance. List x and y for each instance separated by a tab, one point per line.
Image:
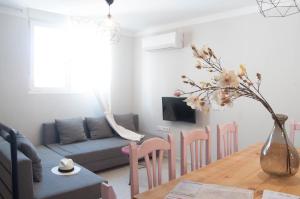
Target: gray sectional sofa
95	155
90	155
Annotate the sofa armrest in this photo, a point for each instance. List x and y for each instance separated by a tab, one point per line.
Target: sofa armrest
136	121
24	169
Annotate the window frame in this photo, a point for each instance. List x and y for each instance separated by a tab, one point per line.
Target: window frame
46	90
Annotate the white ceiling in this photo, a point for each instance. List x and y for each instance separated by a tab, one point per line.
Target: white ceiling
136	15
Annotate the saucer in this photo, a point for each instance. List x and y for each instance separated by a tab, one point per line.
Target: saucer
57	172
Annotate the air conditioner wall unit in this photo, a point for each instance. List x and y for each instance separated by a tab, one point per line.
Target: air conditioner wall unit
172	40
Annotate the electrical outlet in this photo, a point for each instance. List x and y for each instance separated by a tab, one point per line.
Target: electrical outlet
164	128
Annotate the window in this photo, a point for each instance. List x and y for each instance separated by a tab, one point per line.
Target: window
49	57
70	58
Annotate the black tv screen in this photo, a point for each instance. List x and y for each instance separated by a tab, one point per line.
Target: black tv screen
175	109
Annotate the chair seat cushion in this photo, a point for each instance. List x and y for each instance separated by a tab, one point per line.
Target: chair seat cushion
85	184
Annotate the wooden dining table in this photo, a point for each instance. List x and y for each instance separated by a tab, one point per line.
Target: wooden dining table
241	170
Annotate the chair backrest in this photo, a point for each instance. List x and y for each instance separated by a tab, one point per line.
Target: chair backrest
107	192
294	126
195	139
151	148
227	139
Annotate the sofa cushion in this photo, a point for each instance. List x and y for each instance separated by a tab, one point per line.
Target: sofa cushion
70	130
85	184
127	121
98	128
91	150
49	134
27	148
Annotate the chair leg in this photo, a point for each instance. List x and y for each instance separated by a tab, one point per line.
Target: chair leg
129	179
141	166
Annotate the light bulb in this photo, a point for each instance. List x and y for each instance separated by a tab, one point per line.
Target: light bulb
110	29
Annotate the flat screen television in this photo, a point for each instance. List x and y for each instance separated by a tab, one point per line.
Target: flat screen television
175	109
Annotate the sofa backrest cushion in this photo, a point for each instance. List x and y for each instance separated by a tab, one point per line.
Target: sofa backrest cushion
70	130
50	134
27	148
98	128
128	121
24	170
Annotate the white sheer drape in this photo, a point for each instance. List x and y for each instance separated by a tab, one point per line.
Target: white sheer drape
93	58
97	59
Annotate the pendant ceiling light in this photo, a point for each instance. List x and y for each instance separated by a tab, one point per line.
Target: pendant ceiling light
278	8
109	27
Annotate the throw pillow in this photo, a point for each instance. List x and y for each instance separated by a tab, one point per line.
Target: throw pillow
99	128
70	130
27	148
126	121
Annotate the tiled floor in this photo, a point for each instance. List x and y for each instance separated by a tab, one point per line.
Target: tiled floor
119	177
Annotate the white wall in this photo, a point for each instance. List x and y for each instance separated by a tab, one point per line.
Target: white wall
122	78
270	46
26	112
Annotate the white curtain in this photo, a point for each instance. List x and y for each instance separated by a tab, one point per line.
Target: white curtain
96	55
92	58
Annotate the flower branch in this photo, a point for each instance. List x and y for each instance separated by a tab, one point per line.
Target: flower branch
225	86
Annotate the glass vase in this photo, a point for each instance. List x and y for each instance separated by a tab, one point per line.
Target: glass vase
278	156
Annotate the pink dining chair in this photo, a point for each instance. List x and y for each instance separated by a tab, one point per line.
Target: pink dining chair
294	126
151	147
107	192
227	139
195	139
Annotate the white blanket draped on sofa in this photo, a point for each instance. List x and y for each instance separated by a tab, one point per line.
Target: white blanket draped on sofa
123	132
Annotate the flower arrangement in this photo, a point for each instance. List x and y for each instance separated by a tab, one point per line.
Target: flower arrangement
225	85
